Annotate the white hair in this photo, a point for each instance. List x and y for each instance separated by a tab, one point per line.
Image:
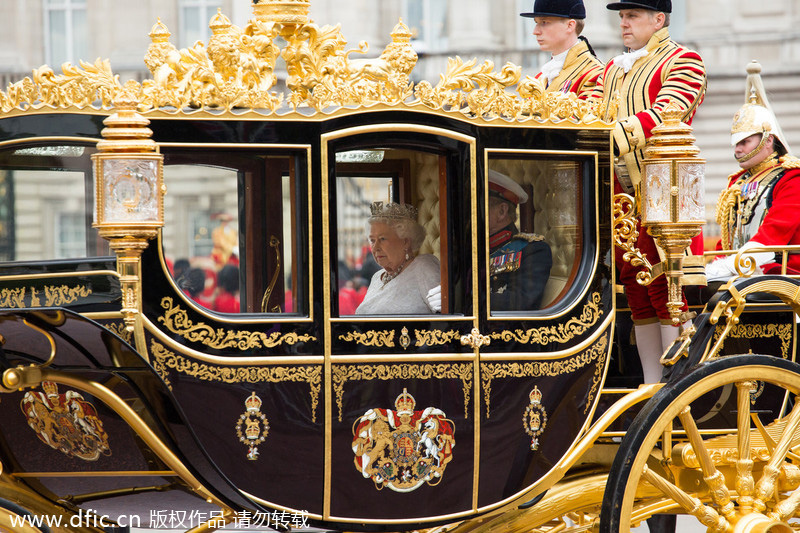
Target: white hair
405	229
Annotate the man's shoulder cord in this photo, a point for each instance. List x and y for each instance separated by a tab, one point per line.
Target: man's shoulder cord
529	237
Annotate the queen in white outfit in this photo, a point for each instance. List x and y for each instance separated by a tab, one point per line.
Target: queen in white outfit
406	277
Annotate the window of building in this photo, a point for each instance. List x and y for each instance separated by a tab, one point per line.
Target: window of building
66	31
427	20
195	16
525	26
70	231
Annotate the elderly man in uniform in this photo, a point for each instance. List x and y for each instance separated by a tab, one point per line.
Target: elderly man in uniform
519	263
640	84
761	206
573	68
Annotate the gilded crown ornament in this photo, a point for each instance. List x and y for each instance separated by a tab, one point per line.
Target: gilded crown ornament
392	210
252	427
405	403
236	72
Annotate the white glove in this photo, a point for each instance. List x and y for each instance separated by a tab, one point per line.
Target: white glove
434	298
723	269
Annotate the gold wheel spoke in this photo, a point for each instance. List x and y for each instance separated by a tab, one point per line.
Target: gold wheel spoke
745	484
705	514
767	484
713	477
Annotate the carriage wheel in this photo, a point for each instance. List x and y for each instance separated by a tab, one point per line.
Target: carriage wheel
703	476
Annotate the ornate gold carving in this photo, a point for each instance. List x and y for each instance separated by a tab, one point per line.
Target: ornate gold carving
120	330
55	296
377	339
236	71
177	321
534	419
435	337
596	379
597	354
563	332
626	232
344	373
761	331
164	359
475	339
405	340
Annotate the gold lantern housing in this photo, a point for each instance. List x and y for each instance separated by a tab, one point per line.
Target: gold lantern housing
672	197
129	192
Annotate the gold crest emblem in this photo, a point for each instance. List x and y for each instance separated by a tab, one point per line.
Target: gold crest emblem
534	420
403	448
66	422
252	427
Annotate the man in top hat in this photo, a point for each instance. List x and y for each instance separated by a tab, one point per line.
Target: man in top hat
639	84
519	263
761	204
573	67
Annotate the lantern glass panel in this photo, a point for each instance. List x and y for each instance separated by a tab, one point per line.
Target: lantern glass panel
130	190
691	204
656	192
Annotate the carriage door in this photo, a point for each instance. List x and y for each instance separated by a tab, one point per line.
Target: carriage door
402	388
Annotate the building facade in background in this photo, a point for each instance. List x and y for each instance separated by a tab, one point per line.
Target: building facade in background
727	33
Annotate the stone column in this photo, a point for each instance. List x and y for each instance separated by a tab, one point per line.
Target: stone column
470	26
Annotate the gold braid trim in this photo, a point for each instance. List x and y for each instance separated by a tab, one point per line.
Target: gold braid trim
726	212
790	162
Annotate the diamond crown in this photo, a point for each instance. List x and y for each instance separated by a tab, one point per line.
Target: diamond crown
253	402
393	210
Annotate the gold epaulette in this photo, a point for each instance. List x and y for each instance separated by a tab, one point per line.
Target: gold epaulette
790	162
530	237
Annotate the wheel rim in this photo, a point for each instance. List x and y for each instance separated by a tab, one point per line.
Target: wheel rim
742	497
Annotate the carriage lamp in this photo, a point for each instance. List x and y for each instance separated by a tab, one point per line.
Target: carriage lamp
672	197
129	192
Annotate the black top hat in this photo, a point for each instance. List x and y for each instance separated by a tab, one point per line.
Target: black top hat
568	9
664	6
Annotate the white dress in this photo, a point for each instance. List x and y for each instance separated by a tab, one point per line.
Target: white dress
407	293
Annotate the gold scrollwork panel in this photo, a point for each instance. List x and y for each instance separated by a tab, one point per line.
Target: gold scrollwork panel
344	373
47	296
377	339
761	331
436	337
163	360
561	333
594	355
177	321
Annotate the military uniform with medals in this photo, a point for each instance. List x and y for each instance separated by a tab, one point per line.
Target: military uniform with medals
519	267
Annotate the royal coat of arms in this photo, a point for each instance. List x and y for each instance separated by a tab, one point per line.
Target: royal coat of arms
66	422
404	448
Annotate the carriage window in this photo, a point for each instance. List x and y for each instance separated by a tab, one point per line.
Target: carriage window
230	234
534	218
387	225
46	204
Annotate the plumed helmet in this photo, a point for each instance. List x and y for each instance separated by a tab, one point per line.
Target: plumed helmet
756	115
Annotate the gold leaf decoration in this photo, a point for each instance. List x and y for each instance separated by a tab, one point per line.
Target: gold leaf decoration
761	331
120	330
164	359
562	332
436	337
55	296
177	321
597	353
235	72
13	298
385	372
377	339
